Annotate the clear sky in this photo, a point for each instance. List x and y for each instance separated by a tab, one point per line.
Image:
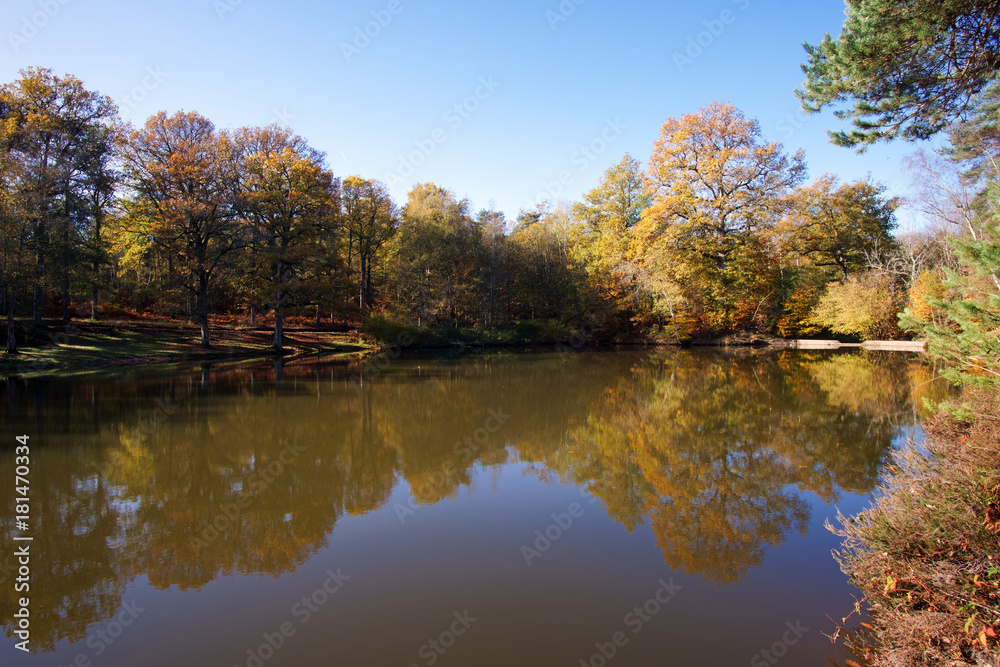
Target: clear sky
493	100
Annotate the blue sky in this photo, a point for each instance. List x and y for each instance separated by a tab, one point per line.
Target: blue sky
494	101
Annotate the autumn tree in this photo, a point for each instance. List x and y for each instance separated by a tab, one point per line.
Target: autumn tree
717	189
14	227
60	135
288	198
607	217
908	69
15	256
840	226
865	305
371	219
548	282
927	288
612	209
434	256
182	199
98	192
796	317
497	265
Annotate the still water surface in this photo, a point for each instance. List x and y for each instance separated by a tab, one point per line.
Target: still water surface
626	508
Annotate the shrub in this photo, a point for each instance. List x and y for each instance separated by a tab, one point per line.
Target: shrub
865	305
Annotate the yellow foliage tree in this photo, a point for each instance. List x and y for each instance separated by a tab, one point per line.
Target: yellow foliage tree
865	305
717	190
796	321
926	286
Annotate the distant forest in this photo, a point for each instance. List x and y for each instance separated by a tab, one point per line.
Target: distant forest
719	233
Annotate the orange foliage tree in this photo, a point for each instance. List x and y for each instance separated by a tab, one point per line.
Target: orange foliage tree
182	201
718	190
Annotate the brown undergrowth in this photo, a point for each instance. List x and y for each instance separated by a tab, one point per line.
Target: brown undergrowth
927	553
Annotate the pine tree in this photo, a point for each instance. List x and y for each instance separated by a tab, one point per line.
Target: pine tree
910	68
967	335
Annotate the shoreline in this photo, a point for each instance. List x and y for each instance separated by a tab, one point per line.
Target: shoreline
92	346
84	346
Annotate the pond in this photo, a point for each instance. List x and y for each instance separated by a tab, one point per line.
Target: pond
596	508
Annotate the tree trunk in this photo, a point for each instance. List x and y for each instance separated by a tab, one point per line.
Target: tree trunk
11	332
65	254
36	301
279	305
363	296
65	296
36	307
94	289
673	320
368	285
40	236
193	306
203	308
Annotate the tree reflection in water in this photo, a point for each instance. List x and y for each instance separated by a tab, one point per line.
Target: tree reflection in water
186	478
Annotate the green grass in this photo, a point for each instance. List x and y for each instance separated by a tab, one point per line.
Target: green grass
387	330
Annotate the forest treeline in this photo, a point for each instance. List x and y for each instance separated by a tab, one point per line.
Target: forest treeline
719	233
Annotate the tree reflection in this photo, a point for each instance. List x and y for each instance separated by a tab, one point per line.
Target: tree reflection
77	574
711	448
217	472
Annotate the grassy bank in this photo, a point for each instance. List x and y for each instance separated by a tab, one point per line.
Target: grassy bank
927	554
83	345
388	331
88	345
